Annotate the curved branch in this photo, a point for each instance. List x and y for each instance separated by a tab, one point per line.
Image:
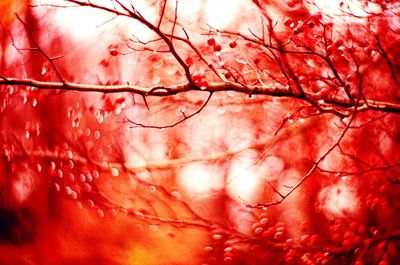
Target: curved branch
329	102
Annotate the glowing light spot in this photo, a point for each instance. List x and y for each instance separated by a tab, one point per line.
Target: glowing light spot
338	200
22	188
221	13
84	23
198	179
339	7
244	183
187	8
115	172
329	7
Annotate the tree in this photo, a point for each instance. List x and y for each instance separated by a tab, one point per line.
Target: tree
199	132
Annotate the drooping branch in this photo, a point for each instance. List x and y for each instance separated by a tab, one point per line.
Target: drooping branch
162	91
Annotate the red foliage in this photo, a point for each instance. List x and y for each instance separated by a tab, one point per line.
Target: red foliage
153	134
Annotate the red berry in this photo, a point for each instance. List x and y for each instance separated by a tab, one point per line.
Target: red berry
114	52
383	189
289	243
362	229
347	243
203	84
197	78
233	44
339	43
354	225
290	256
331	48
368	50
304	226
302	79
263	215
258	230
349	235
120	100
357	240
314	239
291	4
278	236
298	30
263	220
381	245
256	225
217	48
189	61
322	94
288	22
109	105
269	233
211	42
305	239
336	237
104	63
